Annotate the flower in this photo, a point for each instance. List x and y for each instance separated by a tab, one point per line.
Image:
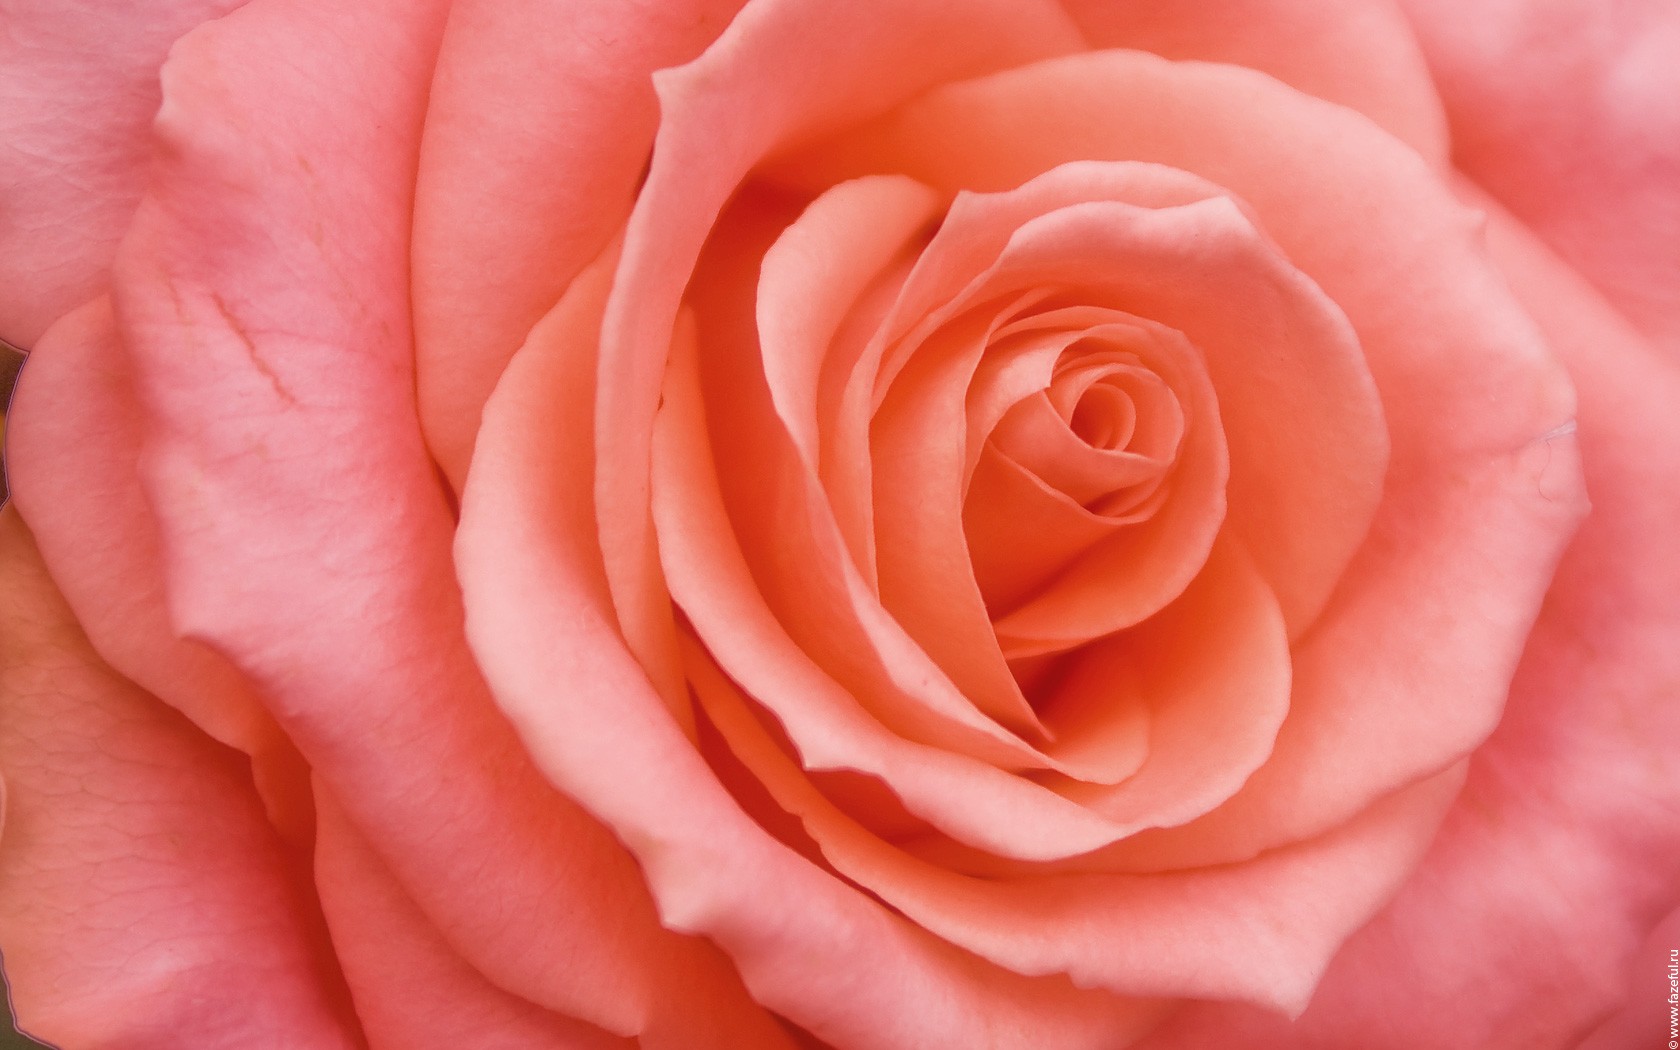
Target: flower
1000	524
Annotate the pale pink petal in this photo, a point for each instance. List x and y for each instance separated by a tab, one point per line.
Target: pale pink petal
1358	52
73	435
78	89
303	526
539	125
412	992
1568	112
144	900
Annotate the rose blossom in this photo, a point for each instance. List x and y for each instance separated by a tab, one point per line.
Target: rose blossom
1009	523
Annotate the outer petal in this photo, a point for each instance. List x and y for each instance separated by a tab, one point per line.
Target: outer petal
78	87
1358	53
539	124
144	901
1568	112
74	433
411	991
1564	852
263	293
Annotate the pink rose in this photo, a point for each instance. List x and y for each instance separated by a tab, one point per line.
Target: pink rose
1004	524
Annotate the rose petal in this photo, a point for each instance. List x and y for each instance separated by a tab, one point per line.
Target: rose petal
1213	669
1210	674
928	533
927	580
1568	112
1036	434
1358	54
1396	680
303	527
1022	533
523	91
73	436
78	88
809	946
811	284
412	991
144	900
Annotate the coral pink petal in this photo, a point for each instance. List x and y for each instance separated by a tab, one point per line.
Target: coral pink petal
1568	113
808	945
1482	487
1260	931
303	527
1360	54
811	276
525	90
73	436
810	285
782	71
1036	433
412	992
1211	721
1562	856
144	900
926	577
78	89
1021	533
